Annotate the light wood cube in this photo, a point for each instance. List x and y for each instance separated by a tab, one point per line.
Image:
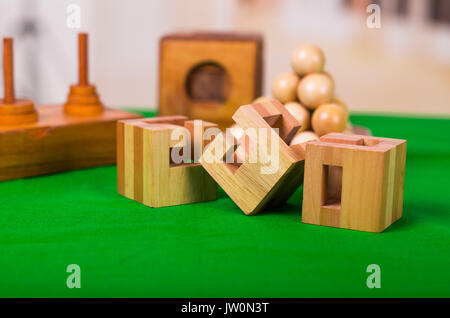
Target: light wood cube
145	172
354	182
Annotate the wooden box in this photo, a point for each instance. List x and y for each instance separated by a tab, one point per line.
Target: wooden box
209	75
354	182
145	172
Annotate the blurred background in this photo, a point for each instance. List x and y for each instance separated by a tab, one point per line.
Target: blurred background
402	66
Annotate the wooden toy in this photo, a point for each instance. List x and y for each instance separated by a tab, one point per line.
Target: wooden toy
307	59
83	99
247	183
300	113
145	170
354	182
209	75
315	89
262	99
343	105
329	118
13	111
284	87
48	139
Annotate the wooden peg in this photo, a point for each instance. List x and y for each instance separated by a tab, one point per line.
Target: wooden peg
83	99
13	111
83	58
8	70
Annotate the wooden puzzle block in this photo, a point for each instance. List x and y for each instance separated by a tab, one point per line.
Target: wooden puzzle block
145	170
272	176
209	75
48	139
354	182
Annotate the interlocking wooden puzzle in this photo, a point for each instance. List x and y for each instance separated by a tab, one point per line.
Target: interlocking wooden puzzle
246	182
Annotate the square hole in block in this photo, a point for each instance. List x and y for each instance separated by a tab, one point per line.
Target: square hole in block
332	186
239	153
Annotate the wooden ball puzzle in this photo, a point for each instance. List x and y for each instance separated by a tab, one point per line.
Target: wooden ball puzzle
53	138
209	75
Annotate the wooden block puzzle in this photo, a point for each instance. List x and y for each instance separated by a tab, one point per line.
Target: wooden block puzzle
209	75
246	184
145	171
354	182
47	139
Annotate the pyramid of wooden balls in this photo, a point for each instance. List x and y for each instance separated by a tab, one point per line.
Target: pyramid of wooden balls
308	94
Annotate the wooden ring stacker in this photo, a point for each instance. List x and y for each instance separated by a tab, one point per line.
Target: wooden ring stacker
13	111
83	99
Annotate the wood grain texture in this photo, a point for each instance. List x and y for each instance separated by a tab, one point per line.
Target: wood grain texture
244	182
145	172
239	55
370	184
58	142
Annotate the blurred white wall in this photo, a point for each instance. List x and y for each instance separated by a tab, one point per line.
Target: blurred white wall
402	67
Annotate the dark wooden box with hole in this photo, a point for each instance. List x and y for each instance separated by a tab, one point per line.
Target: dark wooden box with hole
209	75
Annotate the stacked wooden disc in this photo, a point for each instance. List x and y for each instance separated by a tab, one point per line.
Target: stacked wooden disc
83	99
308	94
13	111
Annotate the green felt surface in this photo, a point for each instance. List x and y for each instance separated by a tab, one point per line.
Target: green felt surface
212	249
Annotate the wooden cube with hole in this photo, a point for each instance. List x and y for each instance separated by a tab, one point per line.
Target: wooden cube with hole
254	177
145	170
354	182
209	75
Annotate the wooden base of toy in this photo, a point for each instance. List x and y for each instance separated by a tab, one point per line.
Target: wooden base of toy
21	111
58	142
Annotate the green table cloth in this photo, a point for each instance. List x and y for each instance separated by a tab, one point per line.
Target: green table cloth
211	249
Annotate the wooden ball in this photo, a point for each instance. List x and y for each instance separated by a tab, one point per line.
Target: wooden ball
329	118
284	87
303	137
348	129
262	99
307	59
300	113
331	77
342	104
315	89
